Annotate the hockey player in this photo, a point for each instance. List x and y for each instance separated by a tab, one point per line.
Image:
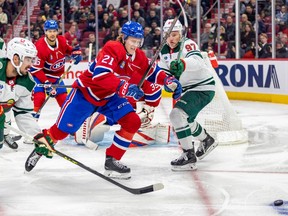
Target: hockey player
49	65
16	89
198	91
100	89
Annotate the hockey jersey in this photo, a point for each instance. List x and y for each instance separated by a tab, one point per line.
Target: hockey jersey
197	75
50	62
100	82
15	94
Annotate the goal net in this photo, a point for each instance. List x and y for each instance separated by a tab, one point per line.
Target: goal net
219	118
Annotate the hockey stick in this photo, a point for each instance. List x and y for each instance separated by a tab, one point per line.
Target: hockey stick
55	85
60	80
141	190
185	29
158	50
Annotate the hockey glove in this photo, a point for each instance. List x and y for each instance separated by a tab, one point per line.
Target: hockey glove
177	68
129	90
45	146
171	84
49	90
77	54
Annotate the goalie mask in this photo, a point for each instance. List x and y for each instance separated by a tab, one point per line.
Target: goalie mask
21	47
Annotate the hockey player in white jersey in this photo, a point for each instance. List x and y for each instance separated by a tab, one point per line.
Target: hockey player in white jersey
198	91
16	87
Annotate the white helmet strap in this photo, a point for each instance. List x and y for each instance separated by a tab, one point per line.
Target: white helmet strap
19	66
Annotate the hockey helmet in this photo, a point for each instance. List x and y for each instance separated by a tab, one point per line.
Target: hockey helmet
50	24
21	47
132	29
177	27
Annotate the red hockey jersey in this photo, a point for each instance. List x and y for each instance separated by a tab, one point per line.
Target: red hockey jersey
50	62
100	82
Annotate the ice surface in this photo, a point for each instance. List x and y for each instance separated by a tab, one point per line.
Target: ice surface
233	180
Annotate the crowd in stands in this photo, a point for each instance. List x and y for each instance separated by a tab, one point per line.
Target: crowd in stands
80	24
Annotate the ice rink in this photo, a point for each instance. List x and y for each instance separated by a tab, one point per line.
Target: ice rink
243	179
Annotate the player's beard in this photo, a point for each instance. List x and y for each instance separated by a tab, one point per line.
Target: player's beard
53	41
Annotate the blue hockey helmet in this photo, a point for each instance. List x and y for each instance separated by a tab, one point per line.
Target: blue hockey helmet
132	29
50	24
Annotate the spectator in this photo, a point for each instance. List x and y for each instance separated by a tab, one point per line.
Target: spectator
137	7
47	12
153	7
223	48
282	16
156	38
250	13
71	36
91	25
3	17
265	49
73	15
36	36
281	51
230	28
113	14
248	39
124	17
152	17
209	43
115	26
244	22
113	34
261	25
106	22
148	39
92	39
284	39
168	15
138	18
204	37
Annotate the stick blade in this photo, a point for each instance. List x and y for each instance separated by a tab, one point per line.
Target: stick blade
148	189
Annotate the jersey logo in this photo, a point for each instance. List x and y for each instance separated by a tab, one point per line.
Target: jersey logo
122	64
58	65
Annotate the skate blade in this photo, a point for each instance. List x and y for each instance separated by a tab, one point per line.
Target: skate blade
208	150
187	167
116	175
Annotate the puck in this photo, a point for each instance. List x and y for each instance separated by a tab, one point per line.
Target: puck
278	202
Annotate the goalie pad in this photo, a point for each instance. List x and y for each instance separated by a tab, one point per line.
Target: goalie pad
92	131
152	134
145	112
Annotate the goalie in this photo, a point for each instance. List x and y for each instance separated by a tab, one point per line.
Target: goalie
93	129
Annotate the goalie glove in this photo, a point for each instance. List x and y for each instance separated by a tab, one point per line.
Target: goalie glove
45	146
146	114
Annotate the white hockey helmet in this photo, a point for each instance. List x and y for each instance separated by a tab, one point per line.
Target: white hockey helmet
177	27
21	47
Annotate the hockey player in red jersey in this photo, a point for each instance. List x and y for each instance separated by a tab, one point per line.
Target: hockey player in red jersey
49	65
100	89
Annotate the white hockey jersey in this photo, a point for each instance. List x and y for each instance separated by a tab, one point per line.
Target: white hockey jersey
197	75
15	95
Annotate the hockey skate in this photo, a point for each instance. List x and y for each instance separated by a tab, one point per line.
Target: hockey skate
115	169
10	141
32	160
206	146
187	161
